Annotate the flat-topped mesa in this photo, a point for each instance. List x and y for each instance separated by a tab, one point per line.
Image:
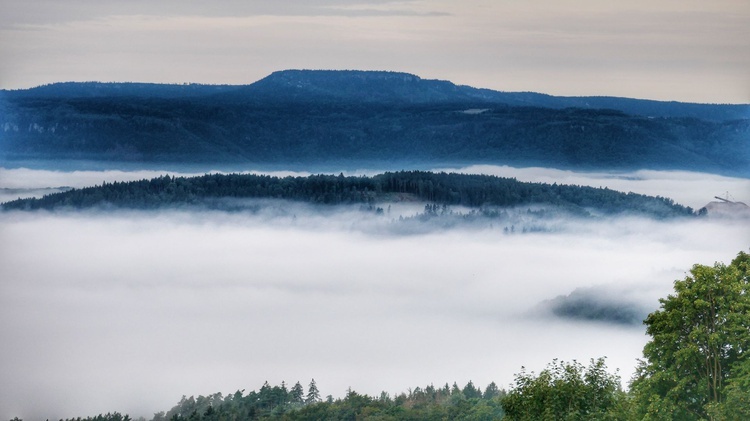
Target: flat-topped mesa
310	76
372	87
360	86
377	86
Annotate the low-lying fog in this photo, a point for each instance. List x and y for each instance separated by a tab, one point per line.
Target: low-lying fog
128	311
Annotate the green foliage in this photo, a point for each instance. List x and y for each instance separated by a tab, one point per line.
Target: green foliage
313	394
110	416
736	406
566	391
297	395
278	403
696	362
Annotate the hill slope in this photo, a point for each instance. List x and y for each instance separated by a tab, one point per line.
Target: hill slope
396	87
356	117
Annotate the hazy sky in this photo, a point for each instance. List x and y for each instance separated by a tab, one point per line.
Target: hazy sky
687	50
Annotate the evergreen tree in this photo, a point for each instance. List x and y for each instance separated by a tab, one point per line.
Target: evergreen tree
491	391
297	394
313	394
471	391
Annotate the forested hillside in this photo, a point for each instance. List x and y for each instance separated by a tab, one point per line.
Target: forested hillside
473	191
357	118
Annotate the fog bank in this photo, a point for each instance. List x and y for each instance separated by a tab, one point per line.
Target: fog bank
129	311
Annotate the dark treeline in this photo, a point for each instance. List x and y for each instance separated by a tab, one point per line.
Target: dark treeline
283	402
440	188
183	131
299	403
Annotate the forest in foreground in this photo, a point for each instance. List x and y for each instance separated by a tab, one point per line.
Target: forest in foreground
694	367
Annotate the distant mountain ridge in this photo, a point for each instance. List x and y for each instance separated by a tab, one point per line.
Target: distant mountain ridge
355	118
117	89
364	86
377	87
380	86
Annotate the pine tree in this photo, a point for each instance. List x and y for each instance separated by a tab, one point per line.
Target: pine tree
471	391
313	394
297	394
491	391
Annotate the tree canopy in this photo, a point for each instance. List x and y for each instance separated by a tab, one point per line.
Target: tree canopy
696	365
566	391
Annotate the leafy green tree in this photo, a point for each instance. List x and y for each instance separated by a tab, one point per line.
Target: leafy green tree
700	336
736	406
566	391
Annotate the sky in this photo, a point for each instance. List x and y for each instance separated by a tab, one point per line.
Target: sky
684	50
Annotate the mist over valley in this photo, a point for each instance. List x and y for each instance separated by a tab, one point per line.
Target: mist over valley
143	307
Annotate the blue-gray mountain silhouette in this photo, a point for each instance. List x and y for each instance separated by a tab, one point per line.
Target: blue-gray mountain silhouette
354	118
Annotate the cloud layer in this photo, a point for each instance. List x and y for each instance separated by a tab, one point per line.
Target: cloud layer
140	309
